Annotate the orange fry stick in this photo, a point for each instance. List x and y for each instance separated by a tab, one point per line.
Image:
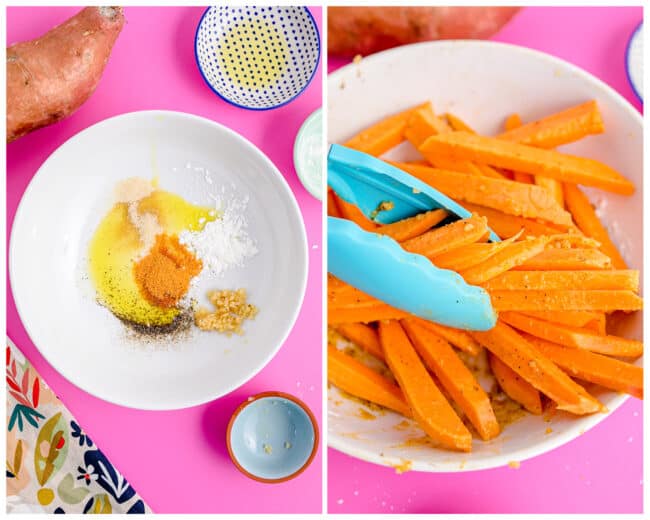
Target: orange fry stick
455	377
446	238
605	301
515	387
413	226
513	198
585	217
573	337
519	157
596	368
510	256
430	408
559	280
535	368
383	135
557	129
357	379
362	335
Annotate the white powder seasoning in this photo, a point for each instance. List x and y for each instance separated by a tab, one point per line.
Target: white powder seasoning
223	243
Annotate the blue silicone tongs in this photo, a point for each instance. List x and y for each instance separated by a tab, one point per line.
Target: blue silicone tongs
377	264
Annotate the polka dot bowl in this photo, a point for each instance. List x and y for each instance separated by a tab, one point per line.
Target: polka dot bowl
257	57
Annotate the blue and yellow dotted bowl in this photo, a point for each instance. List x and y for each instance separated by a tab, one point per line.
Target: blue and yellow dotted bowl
257	57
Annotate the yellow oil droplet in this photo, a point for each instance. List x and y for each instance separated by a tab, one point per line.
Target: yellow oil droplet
253	54
116	244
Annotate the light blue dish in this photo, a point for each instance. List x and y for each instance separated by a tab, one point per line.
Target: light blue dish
634	61
377	264
284	41
273	437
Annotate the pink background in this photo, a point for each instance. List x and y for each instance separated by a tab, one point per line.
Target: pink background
602	470
177	460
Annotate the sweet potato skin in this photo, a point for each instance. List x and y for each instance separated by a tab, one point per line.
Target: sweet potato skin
365	30
52	76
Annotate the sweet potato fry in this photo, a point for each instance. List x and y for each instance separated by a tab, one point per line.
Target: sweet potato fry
467	256
515	387
605	300
535	368
512	121
383	135
458	338
423	123
510	256
446	238
528	159
558	280
455	377
363	313
357	379
429	407
351	212
363	336
457	124
554	187
553	259
595	368
595	321
513	198
506	226
413	226
585	218
560	128
573	337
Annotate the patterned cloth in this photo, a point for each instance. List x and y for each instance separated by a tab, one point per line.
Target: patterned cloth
52	465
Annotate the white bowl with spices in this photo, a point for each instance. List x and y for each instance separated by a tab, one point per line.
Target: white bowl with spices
206	164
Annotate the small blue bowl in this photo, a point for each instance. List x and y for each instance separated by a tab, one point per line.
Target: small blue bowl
272	437
634	61
257	57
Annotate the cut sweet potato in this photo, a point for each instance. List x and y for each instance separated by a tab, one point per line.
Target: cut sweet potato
506	226
470	255
351	212
573	337
455	377
446	238
357	379
588	222
510	256
535	368
383	135
332	205
594	321
570	280
365	313
458	338
605	301
463	146
560	128
428	405
554	259
363	336
515	387
595	368
513	198
413	226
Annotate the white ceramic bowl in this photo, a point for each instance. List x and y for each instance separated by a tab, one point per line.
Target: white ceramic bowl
483	82
60	210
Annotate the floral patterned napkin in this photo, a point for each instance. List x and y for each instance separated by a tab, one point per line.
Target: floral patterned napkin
52	465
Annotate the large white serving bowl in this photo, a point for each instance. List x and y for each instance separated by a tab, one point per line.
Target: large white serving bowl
59	212
483	82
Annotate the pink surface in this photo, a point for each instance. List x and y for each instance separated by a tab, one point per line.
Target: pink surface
602	470
178	460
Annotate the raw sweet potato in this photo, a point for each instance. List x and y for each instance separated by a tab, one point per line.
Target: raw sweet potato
52	76
364	30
